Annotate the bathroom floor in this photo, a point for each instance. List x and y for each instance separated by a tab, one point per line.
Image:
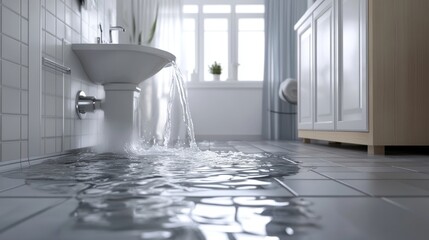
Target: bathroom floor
245	190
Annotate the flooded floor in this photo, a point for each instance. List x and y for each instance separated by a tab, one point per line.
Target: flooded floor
227	190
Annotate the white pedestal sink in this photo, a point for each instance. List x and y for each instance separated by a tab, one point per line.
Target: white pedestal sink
120	68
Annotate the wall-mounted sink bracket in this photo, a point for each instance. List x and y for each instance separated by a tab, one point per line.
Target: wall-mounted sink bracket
84	104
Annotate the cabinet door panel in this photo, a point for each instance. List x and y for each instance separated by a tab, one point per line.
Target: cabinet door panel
324	57
305	85
352	77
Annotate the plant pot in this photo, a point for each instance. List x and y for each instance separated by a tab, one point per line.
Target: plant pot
216	77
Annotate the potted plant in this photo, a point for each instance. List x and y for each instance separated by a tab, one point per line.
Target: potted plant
216	70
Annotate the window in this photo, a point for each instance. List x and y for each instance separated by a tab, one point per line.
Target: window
230	32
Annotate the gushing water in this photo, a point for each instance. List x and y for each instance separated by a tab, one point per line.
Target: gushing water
178	87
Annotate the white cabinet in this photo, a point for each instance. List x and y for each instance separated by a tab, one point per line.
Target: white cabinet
305	75
352	82
332	78
324	84
376	53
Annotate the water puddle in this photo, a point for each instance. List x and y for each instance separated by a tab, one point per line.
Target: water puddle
176	194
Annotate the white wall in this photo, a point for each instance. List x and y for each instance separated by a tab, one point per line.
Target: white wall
37	104
226	110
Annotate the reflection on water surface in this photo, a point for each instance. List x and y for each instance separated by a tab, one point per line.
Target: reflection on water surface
176	194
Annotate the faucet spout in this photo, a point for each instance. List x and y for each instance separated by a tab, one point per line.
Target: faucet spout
115	28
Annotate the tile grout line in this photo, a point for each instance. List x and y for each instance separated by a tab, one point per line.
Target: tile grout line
295	194
343	183
394	203
32	215
11	188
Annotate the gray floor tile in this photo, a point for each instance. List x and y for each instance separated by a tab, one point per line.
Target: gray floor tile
305	175
381	176
362	164
319	164
14	210
418	169
364	218
8	183
422	184
382	188
306	188
378	169
334	169
41	191
418	206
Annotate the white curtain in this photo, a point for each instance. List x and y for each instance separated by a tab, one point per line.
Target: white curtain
279	118
154	97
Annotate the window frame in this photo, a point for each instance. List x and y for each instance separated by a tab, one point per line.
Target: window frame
233	19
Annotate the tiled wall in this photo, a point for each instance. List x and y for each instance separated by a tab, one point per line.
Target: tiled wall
62	22
14	79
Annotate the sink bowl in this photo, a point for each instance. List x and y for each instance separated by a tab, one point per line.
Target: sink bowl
121	63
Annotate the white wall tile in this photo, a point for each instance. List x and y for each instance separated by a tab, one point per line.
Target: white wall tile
59	51
24	30
49	107
11	151
11	127
24	127
58	144
24	8
11	22
11	49
59	107
76	22
50	23
60	29
68	16
24	102
24	149
24	55
50	6
60	10
50	45
49	82
49	145
11	74
24	78
60	19
11	100
59	85
58	127
49	127
13	4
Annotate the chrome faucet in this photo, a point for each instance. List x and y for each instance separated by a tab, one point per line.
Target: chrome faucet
100	39
114	28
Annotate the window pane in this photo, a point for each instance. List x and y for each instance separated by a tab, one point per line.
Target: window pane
251	53
217	8
216	46
190	9
251	24
189	26
257	8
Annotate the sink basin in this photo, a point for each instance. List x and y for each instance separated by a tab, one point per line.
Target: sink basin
121	63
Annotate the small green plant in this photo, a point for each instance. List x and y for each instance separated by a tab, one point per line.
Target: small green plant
215	68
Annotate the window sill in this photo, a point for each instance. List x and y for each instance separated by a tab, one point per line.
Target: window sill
224	85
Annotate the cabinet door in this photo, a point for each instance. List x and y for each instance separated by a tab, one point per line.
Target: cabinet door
305	83
352	83
324	84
